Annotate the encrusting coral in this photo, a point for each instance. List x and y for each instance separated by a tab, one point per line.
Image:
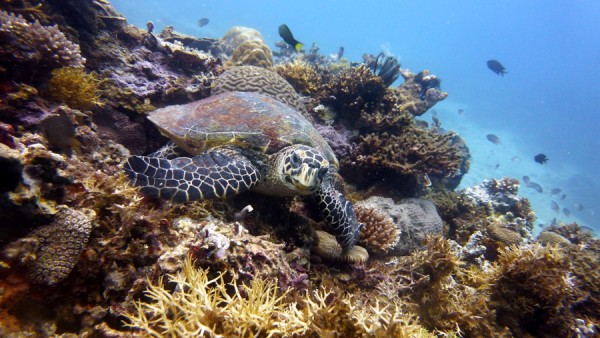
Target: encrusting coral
258	80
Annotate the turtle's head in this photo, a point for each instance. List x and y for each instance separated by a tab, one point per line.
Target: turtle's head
303	168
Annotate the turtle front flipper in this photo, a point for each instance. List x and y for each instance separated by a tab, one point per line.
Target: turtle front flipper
339	213
209	175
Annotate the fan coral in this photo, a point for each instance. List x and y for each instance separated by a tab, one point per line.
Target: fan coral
379	232
415	151
252	53
75	87
301	75
53	250
31	43
258	80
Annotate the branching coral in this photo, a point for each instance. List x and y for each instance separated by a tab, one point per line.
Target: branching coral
259	80
32	43
301	75
379	232
203	306
75	87
415	151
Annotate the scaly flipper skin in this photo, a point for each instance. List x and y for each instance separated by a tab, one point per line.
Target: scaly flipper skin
209	175
339	213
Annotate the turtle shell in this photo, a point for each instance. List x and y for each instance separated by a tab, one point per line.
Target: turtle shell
242	119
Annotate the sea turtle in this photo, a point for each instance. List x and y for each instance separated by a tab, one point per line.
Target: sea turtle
241	141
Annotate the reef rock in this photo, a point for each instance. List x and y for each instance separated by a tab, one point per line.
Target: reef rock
416	218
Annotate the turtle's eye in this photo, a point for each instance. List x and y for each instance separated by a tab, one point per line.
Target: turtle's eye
295	160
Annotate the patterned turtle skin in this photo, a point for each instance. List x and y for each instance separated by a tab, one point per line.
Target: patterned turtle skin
239	141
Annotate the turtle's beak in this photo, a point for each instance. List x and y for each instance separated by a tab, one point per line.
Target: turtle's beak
308	179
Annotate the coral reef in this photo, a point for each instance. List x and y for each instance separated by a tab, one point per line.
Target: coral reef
259	80
415	151
35	47
301	75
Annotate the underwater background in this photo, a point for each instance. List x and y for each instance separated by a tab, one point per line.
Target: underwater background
547	103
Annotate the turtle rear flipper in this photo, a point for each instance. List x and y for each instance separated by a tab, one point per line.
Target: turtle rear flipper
209	175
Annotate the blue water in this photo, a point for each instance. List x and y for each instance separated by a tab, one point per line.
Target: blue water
548	102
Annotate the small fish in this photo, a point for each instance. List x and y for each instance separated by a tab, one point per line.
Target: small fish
535	186
497	166
493	138
422	124
567	212
461	112
496	67
578	206
541	158
564	196
433	112
515	159
60	132
286	35
587	229
203	22
526	180
554	206
436	121
555	191
340	53
150	26
424	180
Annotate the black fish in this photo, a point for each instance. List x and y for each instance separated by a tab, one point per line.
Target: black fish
461	112
535	186
567	212
60	132
497	166
340	53
554	206
555	191
493	138
563	197
496	67
526	179
541	158
287	36
203	22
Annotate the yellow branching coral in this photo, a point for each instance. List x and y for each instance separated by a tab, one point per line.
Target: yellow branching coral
75	87
203	307
303	77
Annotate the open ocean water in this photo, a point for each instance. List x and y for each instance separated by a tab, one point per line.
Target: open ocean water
548	102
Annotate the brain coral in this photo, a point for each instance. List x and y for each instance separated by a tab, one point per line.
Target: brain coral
30	42
60	244
237	35
258	80
252	53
